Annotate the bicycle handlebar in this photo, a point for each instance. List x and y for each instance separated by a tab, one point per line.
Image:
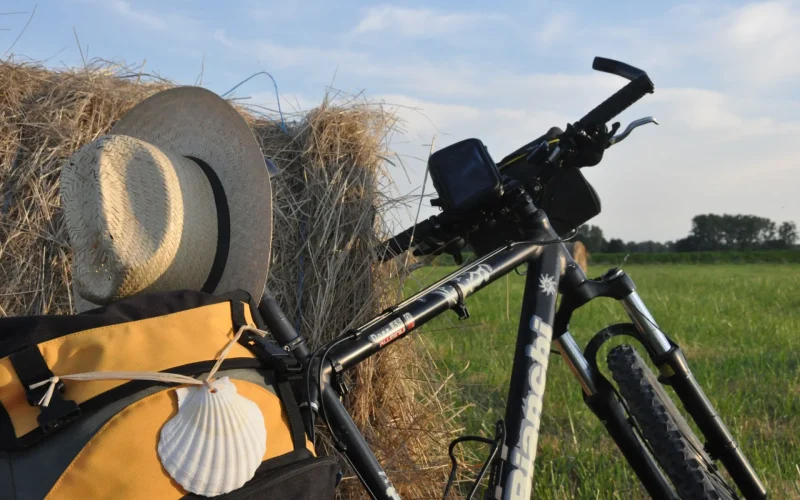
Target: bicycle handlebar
428	228
639	86
619	102
401	242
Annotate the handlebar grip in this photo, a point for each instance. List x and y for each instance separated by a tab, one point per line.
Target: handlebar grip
401	242
619	102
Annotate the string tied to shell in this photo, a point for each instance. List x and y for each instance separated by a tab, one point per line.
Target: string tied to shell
192	446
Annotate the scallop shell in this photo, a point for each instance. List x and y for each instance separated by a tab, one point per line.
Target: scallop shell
216	441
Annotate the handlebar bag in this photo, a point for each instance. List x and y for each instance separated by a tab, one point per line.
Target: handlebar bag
569	200
99	438
464	175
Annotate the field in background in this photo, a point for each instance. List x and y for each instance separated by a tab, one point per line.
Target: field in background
739	326
727	257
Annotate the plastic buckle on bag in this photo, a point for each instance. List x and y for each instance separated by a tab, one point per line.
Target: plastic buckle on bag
32	369
271	354
33	396
57	413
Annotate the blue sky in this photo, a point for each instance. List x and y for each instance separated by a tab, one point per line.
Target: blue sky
726	76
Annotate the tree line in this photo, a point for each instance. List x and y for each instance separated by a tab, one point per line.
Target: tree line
709	232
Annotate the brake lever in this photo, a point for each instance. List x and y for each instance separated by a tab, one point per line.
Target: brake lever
632	125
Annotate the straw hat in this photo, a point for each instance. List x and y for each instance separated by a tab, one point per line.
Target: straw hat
177	196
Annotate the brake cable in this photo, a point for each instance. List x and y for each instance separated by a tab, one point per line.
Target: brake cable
500	431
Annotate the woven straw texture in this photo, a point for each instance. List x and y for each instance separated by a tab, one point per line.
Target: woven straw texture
139	219
155	223
328	201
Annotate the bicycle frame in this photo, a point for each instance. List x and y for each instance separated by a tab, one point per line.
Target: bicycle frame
550	270
447	294
513	474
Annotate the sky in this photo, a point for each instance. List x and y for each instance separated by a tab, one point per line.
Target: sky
726	77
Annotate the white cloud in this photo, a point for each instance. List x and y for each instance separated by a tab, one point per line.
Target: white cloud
281	55
219	35
761	41
553	28
756	44
323	63
510	128
141	16
758	23
415	23
704	157
432	79
285	10
708	155
719	113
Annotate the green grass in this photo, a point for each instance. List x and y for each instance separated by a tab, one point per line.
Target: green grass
758	257
739	326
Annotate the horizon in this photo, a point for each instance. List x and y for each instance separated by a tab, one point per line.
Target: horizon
688	232
723	73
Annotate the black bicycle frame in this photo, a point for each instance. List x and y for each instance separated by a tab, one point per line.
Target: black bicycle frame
530	359
550	269
512	475
528	374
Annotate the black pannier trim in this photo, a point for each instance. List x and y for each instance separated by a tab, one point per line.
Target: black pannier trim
292	412
18	332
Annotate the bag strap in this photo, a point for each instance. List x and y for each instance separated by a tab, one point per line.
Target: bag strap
237	315
268	352
31	368
284	365
292	413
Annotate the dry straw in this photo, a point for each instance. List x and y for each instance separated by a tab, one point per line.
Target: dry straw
328	209
578	251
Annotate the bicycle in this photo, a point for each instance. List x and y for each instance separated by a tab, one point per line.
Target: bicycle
514	213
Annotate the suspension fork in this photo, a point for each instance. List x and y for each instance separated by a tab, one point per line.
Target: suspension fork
600	397
675	370
577	290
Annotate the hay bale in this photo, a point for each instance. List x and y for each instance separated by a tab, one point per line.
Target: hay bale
578	251
44	116
327	216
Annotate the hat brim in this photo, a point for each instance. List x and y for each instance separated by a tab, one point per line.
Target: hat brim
195	122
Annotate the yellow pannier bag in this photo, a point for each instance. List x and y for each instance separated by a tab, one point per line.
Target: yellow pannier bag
99	438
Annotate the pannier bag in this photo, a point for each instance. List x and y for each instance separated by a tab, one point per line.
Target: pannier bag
76	423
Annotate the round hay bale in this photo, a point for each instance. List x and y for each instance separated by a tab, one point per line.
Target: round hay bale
331	164
578	251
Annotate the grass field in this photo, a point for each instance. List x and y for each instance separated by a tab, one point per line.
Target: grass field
739	326
727	257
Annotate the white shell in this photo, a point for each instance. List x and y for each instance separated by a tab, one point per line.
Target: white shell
216	441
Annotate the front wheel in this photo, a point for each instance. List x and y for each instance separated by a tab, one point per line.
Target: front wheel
674	446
